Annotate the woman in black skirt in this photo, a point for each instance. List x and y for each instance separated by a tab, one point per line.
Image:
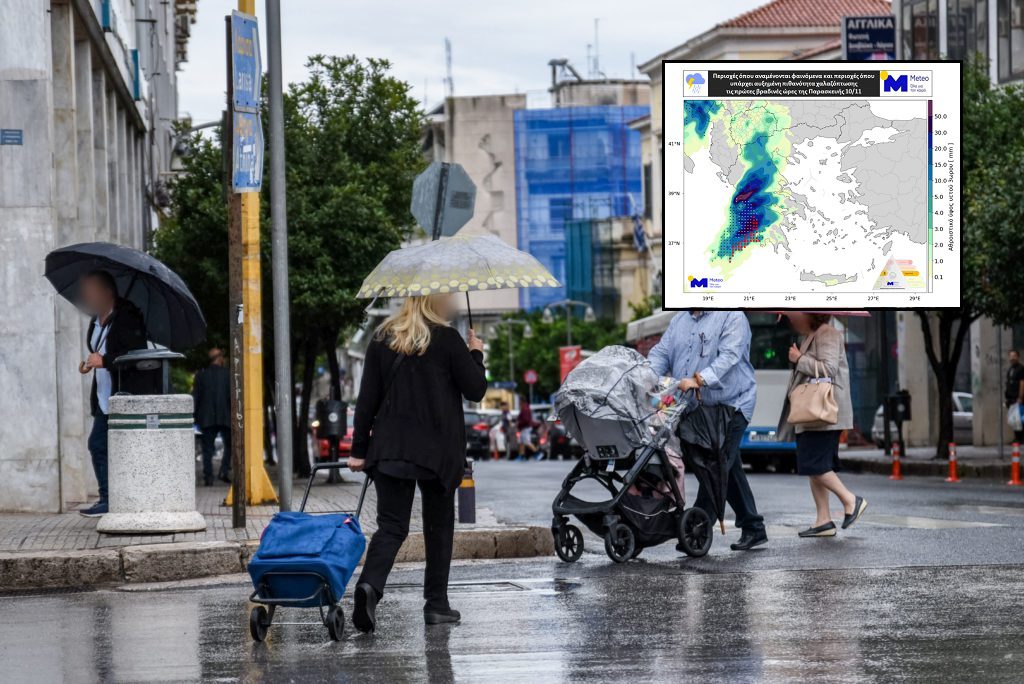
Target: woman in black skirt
410	433
817	445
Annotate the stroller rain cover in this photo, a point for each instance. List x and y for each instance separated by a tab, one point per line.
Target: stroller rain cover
615	384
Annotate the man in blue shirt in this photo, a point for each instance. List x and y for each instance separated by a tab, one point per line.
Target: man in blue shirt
710	351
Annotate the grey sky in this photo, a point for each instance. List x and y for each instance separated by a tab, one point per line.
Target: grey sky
496	47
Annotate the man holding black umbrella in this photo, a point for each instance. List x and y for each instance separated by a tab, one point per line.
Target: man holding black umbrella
117	327
710	352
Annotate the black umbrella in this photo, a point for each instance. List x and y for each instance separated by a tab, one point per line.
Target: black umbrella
703	433
173	317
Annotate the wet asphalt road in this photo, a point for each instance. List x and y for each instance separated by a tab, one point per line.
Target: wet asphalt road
932	589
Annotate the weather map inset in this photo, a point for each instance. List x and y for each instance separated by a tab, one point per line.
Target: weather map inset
793	190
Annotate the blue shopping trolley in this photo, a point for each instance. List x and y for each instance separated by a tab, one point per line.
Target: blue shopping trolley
306	561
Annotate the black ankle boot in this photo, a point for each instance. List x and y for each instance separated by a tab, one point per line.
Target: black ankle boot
364	615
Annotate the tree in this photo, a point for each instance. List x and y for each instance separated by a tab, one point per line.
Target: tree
352	136
352	143
992	155
540	351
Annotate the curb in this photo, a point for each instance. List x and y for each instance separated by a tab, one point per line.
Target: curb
999	472
188	560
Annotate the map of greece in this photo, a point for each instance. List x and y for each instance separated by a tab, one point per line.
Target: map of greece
806	196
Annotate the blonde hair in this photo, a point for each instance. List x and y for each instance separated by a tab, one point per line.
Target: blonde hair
408	330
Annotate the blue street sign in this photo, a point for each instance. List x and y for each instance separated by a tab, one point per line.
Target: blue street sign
246	67
11	136
247	160
867	39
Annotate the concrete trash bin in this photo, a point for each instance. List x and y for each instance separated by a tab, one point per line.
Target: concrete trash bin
152	466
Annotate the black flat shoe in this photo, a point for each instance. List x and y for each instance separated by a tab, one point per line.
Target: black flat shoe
440	617
859	506
826	530
364	615
749	541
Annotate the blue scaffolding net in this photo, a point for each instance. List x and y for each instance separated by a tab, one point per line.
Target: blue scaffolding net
572	164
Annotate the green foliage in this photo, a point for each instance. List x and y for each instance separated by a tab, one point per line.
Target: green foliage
646	307
992	208
992	152
540	352
193	242
352	136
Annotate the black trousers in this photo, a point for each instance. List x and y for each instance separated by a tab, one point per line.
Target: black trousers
209	442
738	494
394	509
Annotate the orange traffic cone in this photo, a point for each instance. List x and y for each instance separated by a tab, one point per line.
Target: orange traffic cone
897	474
1015	467
952	463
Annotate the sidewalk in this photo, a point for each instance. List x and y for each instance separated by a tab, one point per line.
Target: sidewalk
64	549
972	462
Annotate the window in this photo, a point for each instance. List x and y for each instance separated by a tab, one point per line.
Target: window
920	29
967	32
648	211
1010	23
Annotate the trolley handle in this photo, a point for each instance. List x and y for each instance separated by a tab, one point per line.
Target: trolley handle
334	465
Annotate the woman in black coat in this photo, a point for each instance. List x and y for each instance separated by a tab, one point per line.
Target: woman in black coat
410	430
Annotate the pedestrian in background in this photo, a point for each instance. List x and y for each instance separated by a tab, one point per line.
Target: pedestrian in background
709	351
211	395
117	327
410	430
1015	388
524	428
821	356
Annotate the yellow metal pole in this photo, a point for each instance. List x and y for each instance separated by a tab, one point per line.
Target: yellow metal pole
258	488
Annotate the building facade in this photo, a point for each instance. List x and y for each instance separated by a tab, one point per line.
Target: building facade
960	29
88	97
478	133
572	164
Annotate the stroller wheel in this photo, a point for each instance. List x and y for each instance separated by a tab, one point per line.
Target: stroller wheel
619	543
335	622
569	543
259	623
695	532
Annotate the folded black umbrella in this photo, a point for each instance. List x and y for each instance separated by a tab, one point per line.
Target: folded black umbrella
173	318
703	433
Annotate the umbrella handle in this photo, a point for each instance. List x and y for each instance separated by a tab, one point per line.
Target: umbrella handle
721	524
469	310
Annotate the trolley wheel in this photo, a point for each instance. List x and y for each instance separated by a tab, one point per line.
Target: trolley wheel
569	543
695	532
619	543
259	623
335	622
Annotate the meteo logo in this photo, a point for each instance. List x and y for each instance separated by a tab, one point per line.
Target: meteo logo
697	282
904	83
891	84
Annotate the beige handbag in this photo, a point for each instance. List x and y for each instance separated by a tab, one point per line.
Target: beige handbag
813	402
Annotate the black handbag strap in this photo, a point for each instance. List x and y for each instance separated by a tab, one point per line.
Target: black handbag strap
392	372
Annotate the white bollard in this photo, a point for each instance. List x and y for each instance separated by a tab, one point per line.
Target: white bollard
152	466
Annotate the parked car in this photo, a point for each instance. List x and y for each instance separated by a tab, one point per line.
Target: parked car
478	438
963	420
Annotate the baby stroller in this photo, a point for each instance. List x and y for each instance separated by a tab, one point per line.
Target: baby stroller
306	561
613	404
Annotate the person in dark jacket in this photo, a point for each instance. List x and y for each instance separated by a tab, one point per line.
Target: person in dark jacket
211	396
409	430
117	327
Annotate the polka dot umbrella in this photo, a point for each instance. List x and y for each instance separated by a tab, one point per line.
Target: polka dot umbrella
461	263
